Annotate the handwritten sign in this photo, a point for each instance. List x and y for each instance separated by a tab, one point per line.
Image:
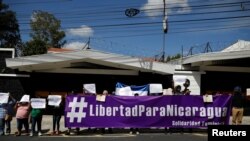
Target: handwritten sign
38	103
54	100
101	98
207	98
90	88
155	88
4	97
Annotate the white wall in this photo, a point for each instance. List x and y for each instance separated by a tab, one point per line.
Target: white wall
195	80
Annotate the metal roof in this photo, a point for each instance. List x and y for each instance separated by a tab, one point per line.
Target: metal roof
212	56
67	59
240	45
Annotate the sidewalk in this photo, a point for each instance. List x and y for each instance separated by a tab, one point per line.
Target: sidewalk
47	124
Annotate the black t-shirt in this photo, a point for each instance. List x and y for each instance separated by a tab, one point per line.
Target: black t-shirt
57	110
238	100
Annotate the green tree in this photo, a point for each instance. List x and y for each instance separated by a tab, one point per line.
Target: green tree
34	47
9	28
177	56
46	27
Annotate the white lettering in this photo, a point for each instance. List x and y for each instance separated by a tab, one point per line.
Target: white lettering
148	112
91	110
108	111
141	109
162	111
121	110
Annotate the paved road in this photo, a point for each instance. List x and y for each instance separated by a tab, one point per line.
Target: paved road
47	123
121	135
114	137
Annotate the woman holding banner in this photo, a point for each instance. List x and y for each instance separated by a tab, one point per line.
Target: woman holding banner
106	93
134	130
69	129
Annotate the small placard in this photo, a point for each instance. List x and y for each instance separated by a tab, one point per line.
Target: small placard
155	88
101	98
248	91
207	98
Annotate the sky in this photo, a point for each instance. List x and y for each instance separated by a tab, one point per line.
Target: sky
191	23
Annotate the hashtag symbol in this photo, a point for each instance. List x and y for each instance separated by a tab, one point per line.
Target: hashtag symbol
80	114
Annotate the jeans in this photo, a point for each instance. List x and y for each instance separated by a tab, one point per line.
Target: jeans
2	126
38	121
56	122
21	122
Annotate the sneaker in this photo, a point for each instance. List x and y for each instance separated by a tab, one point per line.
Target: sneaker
137	133
31	134
52	133
67	133
40	134
17	133
130	132
57	132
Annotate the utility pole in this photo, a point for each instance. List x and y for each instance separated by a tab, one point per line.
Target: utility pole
165	30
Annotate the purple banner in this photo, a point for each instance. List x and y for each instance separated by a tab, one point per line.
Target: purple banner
146	111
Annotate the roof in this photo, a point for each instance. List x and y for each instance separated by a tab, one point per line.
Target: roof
66	60
234	58
238	50
240	45
58	50
213	56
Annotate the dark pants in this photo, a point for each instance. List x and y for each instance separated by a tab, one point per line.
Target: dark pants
21	122
8	126
56	122
2	126
38	121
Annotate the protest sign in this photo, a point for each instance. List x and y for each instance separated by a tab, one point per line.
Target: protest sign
100	98
38	103
90	88
54	100
4	97
155	88
207	98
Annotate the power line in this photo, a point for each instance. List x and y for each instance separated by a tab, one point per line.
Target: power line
95	12
183	22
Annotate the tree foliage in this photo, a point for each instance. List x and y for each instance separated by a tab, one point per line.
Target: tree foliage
177	56
46	27
34	47
9	28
